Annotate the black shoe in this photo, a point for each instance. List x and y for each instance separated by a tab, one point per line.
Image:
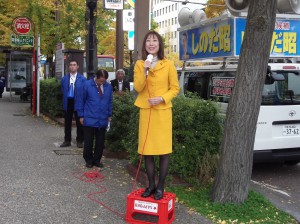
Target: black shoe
100	165
147	193
65	144
158	194
79	145
89	165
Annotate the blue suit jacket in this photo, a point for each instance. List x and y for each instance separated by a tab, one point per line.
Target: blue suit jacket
95	109
65	83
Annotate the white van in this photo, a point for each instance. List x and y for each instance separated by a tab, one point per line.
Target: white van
278	126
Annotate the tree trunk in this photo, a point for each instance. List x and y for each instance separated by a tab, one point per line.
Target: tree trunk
235	168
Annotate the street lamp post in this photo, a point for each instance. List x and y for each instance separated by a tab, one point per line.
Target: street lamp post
92	5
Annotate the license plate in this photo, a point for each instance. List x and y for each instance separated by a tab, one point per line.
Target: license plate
291	130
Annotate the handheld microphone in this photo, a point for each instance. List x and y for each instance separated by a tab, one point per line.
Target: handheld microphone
148	63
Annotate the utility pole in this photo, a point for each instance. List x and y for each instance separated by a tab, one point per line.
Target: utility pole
91	39
119	40
141	26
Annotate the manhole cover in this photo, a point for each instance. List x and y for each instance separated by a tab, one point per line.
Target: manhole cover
19	115
68	152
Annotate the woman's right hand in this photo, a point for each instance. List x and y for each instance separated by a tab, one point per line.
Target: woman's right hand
147	64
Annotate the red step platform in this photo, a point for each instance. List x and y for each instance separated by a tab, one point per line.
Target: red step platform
162	209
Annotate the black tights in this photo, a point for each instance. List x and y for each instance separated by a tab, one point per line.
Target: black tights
163	170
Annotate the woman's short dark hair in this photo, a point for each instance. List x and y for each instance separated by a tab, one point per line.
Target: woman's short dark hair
102	73
160	53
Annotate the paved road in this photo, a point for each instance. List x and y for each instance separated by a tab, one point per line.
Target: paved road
280	183
38	186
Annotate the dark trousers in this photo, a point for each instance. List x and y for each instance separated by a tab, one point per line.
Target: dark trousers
1	91
91	134
68	123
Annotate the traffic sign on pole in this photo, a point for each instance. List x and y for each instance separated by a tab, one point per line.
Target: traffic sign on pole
21	25
22	40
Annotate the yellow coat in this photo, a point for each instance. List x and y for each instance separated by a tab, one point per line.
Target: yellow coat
155	125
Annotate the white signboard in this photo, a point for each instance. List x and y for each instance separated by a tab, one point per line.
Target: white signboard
170	205
113	4
59	61
131	40
128	19
145	206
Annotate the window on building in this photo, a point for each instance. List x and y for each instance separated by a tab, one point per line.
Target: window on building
176	6
172	7
175	49
175	20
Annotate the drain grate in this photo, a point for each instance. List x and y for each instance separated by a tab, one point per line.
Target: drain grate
68	152
20	115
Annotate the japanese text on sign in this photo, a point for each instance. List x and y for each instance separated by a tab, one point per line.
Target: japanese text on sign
222	86
218	39
282	40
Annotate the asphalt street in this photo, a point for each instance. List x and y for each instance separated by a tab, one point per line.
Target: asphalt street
42	183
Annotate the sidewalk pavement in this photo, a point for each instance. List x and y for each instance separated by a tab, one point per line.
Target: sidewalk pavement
41	186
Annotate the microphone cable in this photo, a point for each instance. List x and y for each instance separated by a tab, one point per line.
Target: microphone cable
95	177
147	132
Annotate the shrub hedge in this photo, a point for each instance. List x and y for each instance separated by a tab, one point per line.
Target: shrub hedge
51	97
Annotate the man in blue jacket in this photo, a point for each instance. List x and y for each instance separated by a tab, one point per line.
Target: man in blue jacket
2	83
95	111
71	85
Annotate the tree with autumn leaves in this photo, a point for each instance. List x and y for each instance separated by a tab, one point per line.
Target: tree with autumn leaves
64	21
56	21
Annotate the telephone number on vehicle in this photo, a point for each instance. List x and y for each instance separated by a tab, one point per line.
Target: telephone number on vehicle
291	130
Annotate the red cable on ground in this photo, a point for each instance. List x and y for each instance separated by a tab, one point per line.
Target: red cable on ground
96	177
141	156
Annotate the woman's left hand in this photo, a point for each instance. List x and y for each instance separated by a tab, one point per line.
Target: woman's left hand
155	100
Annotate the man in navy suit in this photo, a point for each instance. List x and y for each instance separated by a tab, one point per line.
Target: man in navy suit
71	85
120	86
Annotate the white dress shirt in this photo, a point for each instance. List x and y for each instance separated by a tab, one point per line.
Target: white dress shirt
73	80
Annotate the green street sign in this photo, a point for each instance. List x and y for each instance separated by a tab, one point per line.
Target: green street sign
21	41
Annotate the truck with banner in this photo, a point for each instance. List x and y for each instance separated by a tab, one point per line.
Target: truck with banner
223	38
210	51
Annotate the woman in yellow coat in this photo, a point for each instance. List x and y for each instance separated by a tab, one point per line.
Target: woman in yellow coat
156	81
